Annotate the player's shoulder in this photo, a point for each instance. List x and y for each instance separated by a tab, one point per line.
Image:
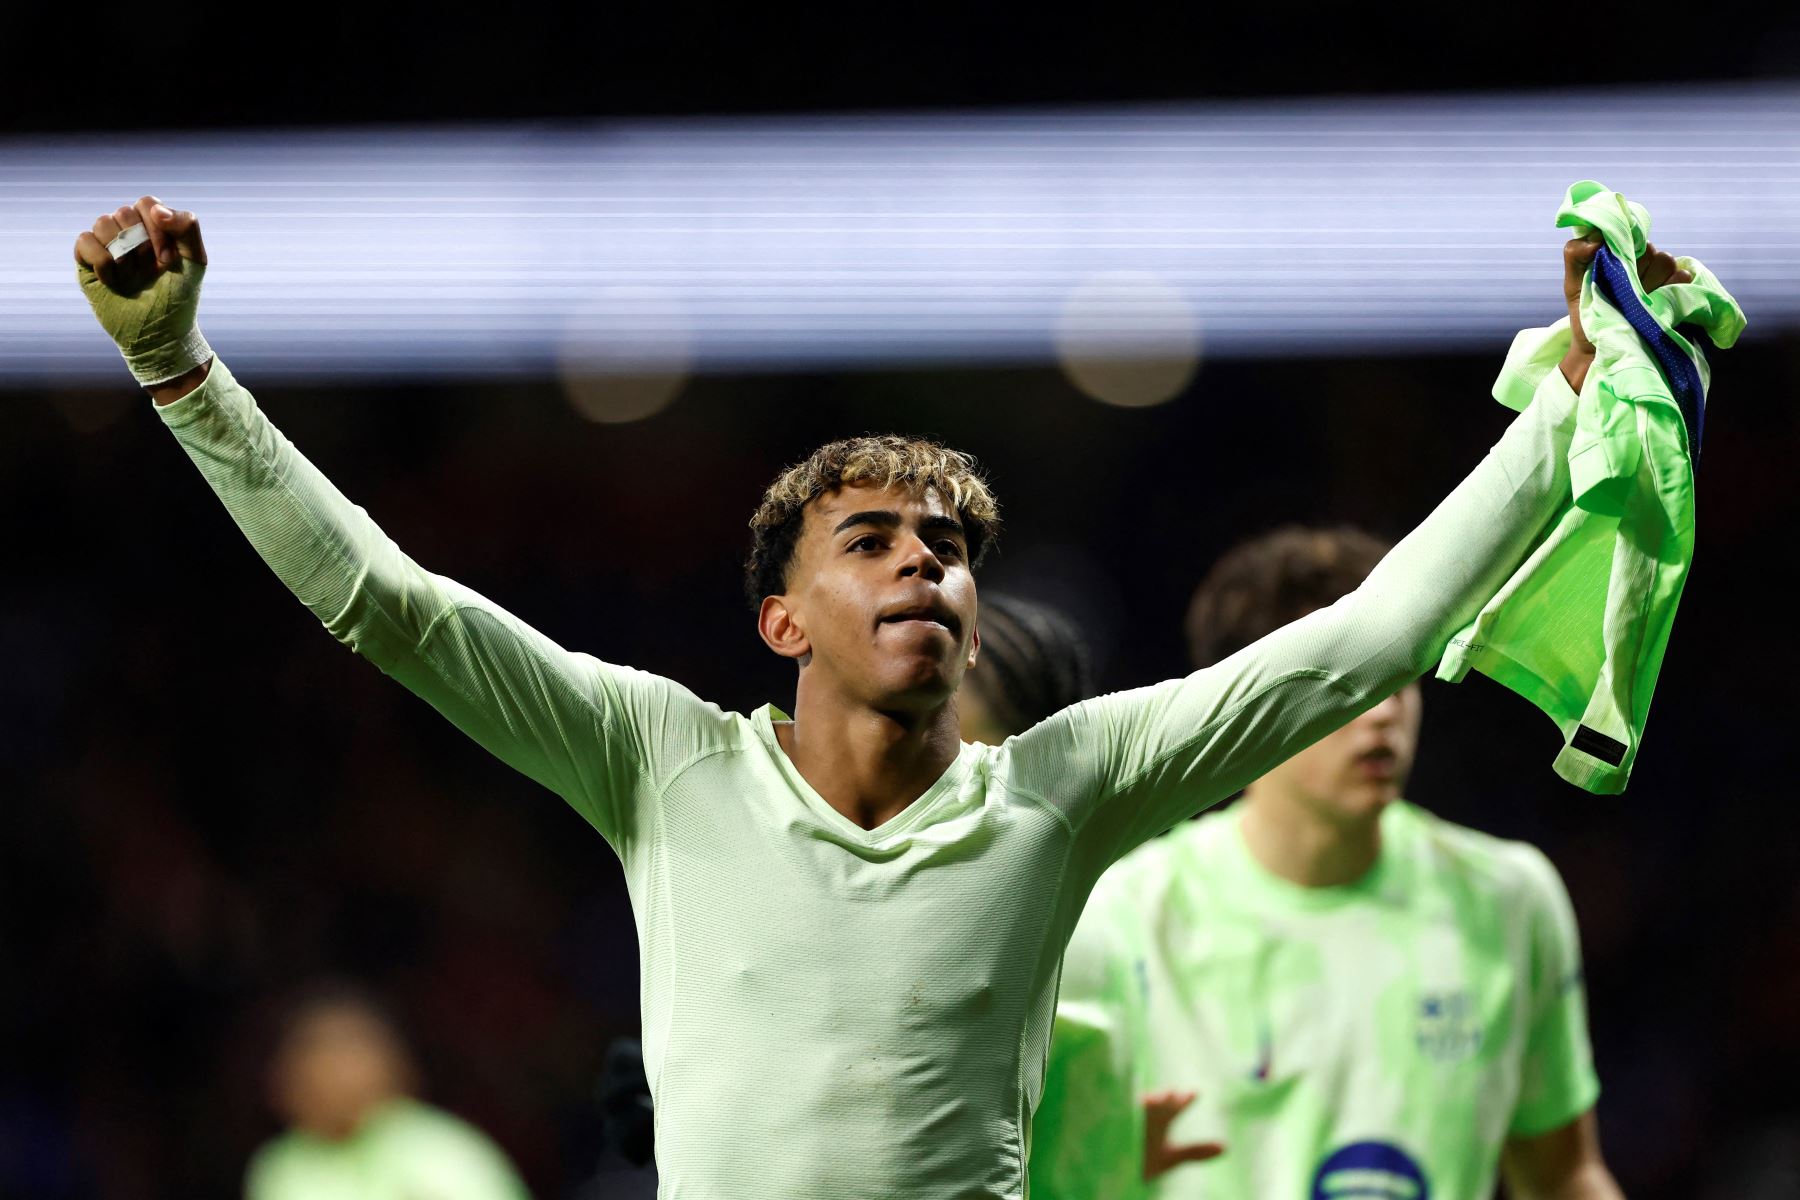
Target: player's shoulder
278	1169
1507	868
426	1131
666	711
412	1116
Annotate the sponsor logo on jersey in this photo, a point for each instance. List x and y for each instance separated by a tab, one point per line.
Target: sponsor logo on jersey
1448	1028
1370	1171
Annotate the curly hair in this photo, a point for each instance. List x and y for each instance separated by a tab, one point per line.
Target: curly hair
1268	581
880	461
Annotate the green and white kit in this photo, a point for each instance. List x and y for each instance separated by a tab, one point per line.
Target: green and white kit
1389	1034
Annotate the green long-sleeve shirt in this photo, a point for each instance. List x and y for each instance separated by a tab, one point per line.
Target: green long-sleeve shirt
829	1011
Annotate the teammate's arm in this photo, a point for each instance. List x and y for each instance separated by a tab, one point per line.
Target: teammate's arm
1126	766
582	728
1552	1150
1563	1164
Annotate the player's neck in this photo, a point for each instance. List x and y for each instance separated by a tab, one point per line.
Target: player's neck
868	765
1294	843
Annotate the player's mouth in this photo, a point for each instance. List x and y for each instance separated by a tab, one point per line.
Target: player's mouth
1379	763
938	615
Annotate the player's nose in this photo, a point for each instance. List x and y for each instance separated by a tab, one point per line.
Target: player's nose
917	558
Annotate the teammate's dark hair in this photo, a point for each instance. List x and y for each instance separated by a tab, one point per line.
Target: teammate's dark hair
1033	661
1262	584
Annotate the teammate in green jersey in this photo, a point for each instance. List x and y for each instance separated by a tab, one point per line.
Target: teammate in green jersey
851	922
342	1080
1329	991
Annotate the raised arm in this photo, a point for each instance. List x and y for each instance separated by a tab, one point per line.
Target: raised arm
585	729
1125	767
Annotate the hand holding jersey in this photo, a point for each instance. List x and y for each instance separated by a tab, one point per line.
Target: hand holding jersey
1655	268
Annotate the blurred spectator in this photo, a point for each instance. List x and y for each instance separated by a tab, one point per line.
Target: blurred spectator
342	1080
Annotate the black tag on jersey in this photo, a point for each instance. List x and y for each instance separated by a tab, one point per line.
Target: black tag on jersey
1591	741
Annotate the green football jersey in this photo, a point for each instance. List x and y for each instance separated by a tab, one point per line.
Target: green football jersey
832	1012
1581	630
1379	1039
405	1150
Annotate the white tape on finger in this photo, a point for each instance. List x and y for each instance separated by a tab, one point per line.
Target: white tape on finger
129	239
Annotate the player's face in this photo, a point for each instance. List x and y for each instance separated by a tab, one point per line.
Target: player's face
332	1068
882	593
1351	775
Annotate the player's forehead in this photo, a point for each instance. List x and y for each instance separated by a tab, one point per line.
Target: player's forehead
912	502
332	1024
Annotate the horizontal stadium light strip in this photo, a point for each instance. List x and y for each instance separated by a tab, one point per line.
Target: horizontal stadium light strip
1265	228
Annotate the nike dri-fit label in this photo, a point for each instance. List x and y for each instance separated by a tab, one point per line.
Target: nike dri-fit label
1614	284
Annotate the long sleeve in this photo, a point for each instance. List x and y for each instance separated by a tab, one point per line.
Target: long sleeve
1124	767
589	731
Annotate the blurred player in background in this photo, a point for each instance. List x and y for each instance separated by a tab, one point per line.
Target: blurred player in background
343	1082
852	921
1034	663
1323	987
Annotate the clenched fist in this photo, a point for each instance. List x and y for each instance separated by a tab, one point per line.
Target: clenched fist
148	300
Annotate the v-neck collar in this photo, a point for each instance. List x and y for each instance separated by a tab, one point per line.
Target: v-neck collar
763	721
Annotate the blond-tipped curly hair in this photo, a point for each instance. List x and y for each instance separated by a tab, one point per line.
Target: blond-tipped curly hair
879	461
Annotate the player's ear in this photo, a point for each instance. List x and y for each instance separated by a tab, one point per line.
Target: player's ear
974	645
780	628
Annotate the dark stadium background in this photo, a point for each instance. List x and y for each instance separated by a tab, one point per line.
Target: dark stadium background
206	802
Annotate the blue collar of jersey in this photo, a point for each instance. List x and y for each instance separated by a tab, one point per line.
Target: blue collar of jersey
1614	283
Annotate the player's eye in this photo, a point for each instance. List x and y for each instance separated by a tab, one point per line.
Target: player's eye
867	541
945	548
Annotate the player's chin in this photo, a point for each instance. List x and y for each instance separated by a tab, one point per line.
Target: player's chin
918	682
1365	798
